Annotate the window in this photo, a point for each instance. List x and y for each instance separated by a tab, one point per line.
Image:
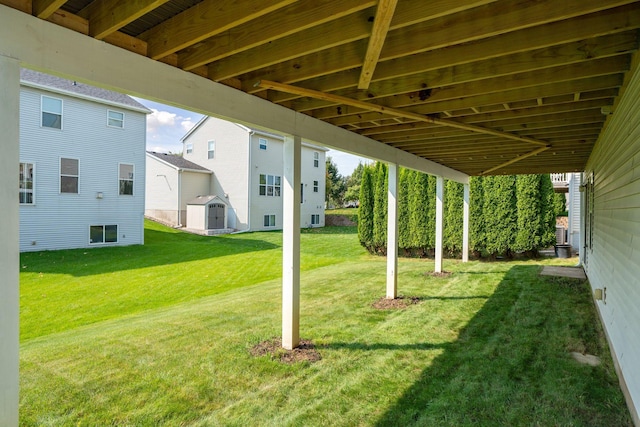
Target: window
270	185
115	119
269	220
125	179
315	219
189	148
301	193
103	234
316	159
26	183
211	149
51	112
315	186
69	173
262	143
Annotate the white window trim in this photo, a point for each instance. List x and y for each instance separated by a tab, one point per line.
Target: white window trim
316	186
33	185
188	148
209	150
60	175
274	220
260	144
103	235
314	216
316	159
133	187
42	110
109	118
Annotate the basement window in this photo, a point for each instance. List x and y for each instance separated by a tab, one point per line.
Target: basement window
99	234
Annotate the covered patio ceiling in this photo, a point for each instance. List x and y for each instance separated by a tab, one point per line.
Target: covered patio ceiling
479	86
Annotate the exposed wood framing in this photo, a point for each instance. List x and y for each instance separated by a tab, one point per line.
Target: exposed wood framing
381	23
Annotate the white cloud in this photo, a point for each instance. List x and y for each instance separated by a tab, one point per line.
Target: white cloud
187	123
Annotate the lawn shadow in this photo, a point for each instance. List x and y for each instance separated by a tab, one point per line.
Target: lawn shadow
160	248
383	346
510	364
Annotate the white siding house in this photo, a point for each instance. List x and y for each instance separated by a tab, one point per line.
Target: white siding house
247	167
171	182
81	165
611	256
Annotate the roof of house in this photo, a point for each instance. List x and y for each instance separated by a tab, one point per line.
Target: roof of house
70	87
178	162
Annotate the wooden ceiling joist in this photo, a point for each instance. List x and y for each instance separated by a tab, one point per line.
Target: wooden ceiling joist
107	17
381	23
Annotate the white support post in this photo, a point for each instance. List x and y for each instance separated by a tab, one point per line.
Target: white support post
439	221
392	233
9	236
291	243
465	224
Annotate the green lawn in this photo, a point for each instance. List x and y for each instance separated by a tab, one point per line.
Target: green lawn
160	335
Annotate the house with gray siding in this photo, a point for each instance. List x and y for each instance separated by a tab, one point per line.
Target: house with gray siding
82	165
245	168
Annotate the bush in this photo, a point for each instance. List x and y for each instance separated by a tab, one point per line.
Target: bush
365	210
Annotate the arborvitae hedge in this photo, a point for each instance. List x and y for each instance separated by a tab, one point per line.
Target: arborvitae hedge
507	213
365	211
380	207
453	217
404	233
477	238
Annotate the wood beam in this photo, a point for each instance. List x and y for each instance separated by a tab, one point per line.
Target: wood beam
393	112
303	15
381	23
517	159
45	8
107	17
610	21
204	20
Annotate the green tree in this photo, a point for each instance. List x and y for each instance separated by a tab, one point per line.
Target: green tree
530	214
560	204
430	196
453	217
477	238
500	214
352	182
404	232
380	207
419	208
335	184
548	224
365	210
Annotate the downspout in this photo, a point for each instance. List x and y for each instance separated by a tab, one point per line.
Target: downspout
179	197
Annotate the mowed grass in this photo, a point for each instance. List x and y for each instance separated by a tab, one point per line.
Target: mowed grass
485	346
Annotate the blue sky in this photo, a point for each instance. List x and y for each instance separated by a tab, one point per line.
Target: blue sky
166	125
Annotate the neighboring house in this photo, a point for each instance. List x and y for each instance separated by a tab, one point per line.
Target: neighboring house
81	165
247	167
569	184
173	181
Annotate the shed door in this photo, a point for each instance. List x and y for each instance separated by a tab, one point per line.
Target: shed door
216	216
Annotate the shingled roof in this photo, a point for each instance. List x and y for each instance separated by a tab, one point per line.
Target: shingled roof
83	90
178	161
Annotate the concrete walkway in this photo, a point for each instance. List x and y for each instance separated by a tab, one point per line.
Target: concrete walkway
572	272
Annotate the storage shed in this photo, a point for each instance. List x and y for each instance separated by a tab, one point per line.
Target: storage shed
207	213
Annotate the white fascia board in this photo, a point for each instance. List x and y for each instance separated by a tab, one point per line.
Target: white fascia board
46	47
82	96
193	129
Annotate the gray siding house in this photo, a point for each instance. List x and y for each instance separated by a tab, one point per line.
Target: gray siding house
82	165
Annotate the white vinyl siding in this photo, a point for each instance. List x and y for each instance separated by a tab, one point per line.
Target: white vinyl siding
115	119
84	139
27	183
51	112
612	260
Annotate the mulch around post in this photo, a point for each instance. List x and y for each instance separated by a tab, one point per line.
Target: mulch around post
305	352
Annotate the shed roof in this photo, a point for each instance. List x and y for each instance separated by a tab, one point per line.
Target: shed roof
205	200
